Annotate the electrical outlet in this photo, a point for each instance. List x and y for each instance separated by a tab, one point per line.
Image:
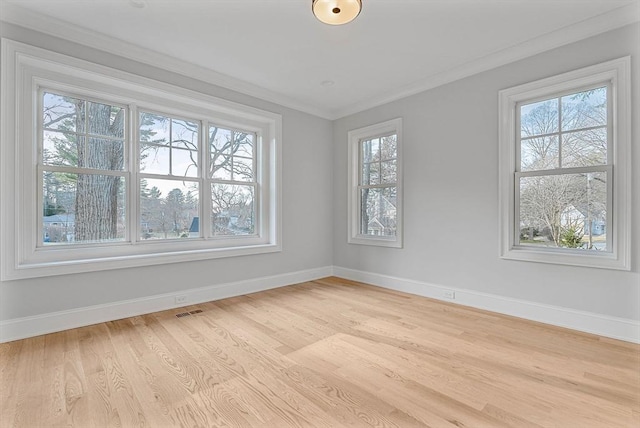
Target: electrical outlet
179	300
449	294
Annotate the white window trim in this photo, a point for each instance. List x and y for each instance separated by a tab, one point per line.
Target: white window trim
618	74
393	126
26	68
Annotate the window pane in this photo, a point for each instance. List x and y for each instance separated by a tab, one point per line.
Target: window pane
168	209
61	148
174	148
233	209
584	148
378	211
154	128
389	171
154	159
83	208
370	150
106	120
388	147
231	154
242	169
371	173
184	163
60	112
539	118
222	167
64	140
245	142
102	153
539	153
184	134
584	109
220	140
567	211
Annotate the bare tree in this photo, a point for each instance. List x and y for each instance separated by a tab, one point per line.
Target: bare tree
560	133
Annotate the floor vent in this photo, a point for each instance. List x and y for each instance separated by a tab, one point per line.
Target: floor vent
186	314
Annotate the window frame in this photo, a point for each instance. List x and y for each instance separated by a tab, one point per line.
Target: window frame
355	138
615	75
255	184
25	71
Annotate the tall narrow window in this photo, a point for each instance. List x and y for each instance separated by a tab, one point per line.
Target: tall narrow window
375	174
169	177
83	170
233	181
564	168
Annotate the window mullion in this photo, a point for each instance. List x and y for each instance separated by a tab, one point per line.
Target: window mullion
562	171
89	171
377	186
133	209
560	132
205	191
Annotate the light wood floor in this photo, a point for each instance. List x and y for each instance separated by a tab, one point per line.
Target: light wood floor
320	354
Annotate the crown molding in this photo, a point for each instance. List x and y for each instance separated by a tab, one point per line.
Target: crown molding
35	21
608	21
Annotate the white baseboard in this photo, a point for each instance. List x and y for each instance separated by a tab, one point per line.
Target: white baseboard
616	328
21	328
589	322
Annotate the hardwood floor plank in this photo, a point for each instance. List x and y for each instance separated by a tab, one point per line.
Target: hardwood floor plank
27	385
342	400
326	353
9	382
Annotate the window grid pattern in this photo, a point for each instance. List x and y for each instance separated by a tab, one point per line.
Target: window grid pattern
86	181
82	168
377	186
562	178
169	176
234	185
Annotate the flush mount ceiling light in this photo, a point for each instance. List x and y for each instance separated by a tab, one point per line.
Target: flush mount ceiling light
336	12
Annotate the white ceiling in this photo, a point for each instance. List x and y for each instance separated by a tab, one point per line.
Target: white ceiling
277	50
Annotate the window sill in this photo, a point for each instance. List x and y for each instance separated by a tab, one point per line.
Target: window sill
599	260
40	268
376	241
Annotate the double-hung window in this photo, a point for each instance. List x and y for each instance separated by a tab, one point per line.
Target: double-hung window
105	170
564	168
375	181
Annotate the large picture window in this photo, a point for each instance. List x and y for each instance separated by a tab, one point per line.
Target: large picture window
564	190
108	170
376	185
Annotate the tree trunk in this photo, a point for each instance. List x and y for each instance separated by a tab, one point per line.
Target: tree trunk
97	195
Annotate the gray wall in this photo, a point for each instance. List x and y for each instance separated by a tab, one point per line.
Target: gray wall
451	189
307	216
451	198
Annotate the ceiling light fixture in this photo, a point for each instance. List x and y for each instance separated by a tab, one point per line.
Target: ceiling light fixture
336	12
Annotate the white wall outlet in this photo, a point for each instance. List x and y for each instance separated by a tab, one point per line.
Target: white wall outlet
179	300
449	294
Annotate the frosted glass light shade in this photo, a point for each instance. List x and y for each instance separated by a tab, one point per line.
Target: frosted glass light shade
336	12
